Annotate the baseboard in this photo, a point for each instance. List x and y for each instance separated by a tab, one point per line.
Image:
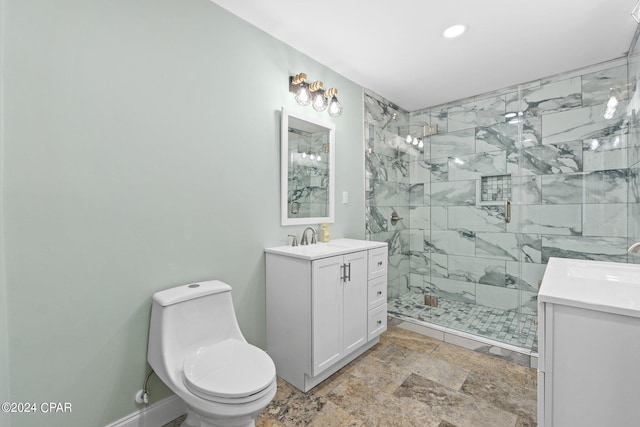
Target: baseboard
154	415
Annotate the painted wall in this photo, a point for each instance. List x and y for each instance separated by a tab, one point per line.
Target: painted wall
141	152
4	327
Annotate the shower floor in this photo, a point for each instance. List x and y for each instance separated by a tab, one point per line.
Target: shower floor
506	326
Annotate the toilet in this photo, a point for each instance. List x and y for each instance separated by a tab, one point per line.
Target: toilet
197	349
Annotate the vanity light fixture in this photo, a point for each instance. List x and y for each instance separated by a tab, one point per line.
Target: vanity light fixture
301	88
335	108
319	101
313	93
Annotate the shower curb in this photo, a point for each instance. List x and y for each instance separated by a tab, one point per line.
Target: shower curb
482	345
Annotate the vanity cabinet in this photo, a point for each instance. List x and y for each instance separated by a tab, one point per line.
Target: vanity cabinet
589	342
326	305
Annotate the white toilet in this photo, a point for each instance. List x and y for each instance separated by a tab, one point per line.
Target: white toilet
197	349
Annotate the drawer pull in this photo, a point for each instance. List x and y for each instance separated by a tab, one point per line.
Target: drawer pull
379	263
379	292
379	322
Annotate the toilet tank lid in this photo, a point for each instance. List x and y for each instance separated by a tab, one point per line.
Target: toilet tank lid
189	291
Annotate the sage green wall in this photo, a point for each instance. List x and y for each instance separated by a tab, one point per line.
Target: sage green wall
4	330
141	152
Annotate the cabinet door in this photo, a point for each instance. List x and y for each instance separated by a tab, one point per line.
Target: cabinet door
327	314
355	301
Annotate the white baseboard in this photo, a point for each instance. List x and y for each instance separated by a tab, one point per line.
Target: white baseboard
154	415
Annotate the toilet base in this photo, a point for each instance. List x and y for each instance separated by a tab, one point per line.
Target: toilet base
195	420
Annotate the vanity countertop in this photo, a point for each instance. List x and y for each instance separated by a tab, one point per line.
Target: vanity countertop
595	285
325	250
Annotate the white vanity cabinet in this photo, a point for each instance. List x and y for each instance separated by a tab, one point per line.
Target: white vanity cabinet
326	305
589	344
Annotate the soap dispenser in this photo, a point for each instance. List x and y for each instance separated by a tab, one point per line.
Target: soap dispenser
324	232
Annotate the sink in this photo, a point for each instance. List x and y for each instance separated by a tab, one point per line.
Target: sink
604	271
325	250
604	286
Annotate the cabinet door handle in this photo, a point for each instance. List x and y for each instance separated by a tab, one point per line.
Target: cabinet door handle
342	273
348	275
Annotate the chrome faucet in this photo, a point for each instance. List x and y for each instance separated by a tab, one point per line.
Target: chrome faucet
635	248
314	233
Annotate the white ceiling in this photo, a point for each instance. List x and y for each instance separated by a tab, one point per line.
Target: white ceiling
395	48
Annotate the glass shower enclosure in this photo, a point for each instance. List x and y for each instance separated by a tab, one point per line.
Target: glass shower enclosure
474	196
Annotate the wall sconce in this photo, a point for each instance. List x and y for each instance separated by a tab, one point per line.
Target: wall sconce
314	93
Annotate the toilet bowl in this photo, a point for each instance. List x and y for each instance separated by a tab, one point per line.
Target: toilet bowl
197	349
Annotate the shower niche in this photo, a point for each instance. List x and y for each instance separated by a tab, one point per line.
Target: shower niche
495	188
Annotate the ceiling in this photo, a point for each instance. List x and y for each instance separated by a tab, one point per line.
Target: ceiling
395	48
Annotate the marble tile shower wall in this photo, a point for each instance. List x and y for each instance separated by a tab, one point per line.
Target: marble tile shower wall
387	162
574	193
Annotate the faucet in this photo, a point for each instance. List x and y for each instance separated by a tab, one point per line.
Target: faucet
635	248
314	233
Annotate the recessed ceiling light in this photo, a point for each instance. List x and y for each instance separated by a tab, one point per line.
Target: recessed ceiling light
454	31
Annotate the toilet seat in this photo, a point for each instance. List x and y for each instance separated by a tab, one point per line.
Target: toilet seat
230	372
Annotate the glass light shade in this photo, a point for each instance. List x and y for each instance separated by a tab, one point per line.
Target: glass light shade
303	97
408	139
319	101
335	108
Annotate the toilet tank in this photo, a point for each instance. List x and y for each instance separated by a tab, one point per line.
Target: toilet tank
189	317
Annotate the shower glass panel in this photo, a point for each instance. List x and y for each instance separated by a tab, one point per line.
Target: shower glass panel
473	246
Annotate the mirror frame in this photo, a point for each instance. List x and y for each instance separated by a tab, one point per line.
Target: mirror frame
284	170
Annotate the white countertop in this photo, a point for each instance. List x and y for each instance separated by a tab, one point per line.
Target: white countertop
604	286
325	250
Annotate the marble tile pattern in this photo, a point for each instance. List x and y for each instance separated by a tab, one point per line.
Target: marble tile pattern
409	379
575	185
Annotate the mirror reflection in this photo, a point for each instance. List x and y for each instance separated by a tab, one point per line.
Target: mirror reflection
307	170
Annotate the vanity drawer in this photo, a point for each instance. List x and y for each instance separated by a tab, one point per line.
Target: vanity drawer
377	263
377	292
377	323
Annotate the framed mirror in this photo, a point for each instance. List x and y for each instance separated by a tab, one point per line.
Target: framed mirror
307	170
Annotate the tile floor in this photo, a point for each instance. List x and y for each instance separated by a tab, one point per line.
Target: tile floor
507	326
411	380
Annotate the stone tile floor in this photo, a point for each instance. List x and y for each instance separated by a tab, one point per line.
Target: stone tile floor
411	380
507	326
